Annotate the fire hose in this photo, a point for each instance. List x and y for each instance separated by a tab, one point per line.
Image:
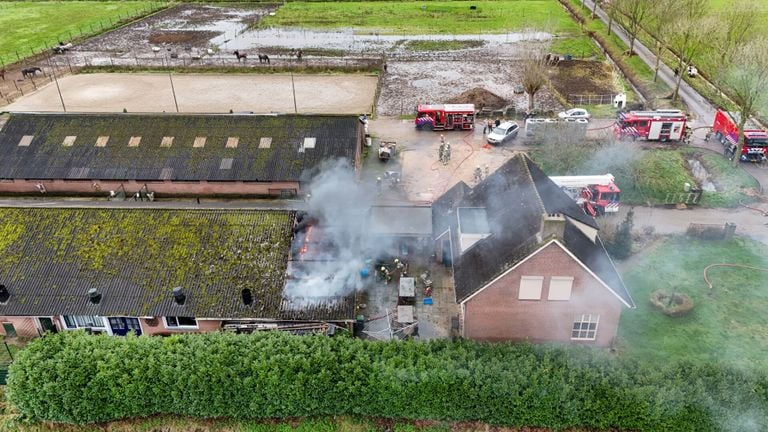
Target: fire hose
706	278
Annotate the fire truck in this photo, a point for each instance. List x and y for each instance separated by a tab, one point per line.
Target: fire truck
727	131
661	125
446	117
596	194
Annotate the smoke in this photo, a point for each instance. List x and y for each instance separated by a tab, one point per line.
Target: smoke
340	243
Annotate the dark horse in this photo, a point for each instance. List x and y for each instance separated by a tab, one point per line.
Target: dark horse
239	56
263	58
2	73
30	72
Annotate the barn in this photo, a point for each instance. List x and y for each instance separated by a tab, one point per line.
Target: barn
171	154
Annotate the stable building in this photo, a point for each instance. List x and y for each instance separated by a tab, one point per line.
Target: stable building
528	263
153	271
171	154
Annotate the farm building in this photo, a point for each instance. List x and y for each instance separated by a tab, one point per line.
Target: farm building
528	263
170	154
151	271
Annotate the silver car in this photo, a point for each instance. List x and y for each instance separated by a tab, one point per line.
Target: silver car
502	133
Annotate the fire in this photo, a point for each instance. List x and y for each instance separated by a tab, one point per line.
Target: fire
307	235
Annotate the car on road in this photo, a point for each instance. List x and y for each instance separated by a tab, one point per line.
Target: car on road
502	133
575	113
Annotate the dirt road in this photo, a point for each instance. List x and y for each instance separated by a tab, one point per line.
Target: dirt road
322	94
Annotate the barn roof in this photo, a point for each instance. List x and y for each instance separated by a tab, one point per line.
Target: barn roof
515	197
49	258
156	147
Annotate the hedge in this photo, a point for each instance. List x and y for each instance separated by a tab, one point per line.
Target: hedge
76	378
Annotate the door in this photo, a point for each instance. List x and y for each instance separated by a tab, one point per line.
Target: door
47	325
654	131
121	326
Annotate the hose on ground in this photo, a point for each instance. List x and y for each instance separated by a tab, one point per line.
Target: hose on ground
706	278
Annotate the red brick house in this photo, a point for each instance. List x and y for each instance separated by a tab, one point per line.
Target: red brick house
151	271
528	263
171	154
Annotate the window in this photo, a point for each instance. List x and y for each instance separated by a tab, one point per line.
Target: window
81	321
174	322
26	140
167	141
530	287
232	142
134	141
265	142
102	141
69	140
560	288
226	163
585	327
199	142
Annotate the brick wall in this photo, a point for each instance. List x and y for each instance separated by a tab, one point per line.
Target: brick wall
495	313
25	327
167	188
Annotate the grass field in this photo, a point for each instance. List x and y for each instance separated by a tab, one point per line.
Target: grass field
29	27
437	17
728	325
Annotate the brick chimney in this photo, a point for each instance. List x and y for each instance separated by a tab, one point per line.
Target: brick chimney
552	225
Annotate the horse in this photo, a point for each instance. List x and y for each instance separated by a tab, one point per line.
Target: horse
2	73
299	54
30	72
239	56
263	58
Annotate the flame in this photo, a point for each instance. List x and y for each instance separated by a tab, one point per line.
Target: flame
304	248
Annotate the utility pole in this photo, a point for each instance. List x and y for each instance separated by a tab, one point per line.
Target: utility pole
293	86
175	102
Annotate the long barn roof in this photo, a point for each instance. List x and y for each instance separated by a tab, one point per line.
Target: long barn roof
155	147
49	258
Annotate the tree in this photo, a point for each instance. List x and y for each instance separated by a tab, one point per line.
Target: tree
634	14
688	34
658	27
611	10
746	80
736	25
620	247
534	76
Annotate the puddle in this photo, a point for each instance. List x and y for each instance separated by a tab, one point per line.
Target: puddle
701	175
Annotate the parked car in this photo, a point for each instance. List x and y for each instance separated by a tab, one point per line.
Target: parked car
503	133
574	113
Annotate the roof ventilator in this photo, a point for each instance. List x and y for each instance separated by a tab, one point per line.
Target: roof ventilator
4	294
247	297
94	296
178	296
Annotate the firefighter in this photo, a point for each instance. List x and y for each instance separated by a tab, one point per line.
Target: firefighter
385	276
378	185
478	174
441	152
486	171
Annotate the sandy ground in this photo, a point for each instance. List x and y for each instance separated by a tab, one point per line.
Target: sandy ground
348	94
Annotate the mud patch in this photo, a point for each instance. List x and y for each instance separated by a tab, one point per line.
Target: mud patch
583	77
181	37
481	97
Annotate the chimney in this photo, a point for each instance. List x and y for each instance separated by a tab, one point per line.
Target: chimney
552	225
94	296
4	294
178	296
247	296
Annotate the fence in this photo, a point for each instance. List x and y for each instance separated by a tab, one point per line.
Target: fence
603	99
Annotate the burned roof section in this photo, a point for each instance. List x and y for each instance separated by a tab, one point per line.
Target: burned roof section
515	198
173	146
134	258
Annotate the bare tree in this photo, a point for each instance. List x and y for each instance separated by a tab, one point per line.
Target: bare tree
736	26
688	34
633	15
658	27
534	75
611	10
746	79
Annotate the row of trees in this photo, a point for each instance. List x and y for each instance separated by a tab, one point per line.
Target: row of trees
726	43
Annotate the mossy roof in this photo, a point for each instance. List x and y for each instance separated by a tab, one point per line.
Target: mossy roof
49	258
285	159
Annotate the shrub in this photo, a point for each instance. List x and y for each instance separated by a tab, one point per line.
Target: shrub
77	378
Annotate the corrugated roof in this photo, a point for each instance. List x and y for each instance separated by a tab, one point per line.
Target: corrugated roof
134	150
49	258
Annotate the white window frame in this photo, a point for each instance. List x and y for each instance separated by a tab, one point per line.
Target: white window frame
104	325
554	280
584	333
530	280
172	327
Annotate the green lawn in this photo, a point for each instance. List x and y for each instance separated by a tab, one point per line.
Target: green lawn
728	326
34	26
439	17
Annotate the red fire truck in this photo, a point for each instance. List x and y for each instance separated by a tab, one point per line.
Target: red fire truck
596	194
661	125
446	117
727	132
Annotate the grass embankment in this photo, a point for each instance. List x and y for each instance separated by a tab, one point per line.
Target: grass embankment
649	176
31	27
439	17
440	45
728	324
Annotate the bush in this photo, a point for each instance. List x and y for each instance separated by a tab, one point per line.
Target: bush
76	378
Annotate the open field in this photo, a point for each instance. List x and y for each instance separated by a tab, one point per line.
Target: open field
32	26
437	17
326	94
727	325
